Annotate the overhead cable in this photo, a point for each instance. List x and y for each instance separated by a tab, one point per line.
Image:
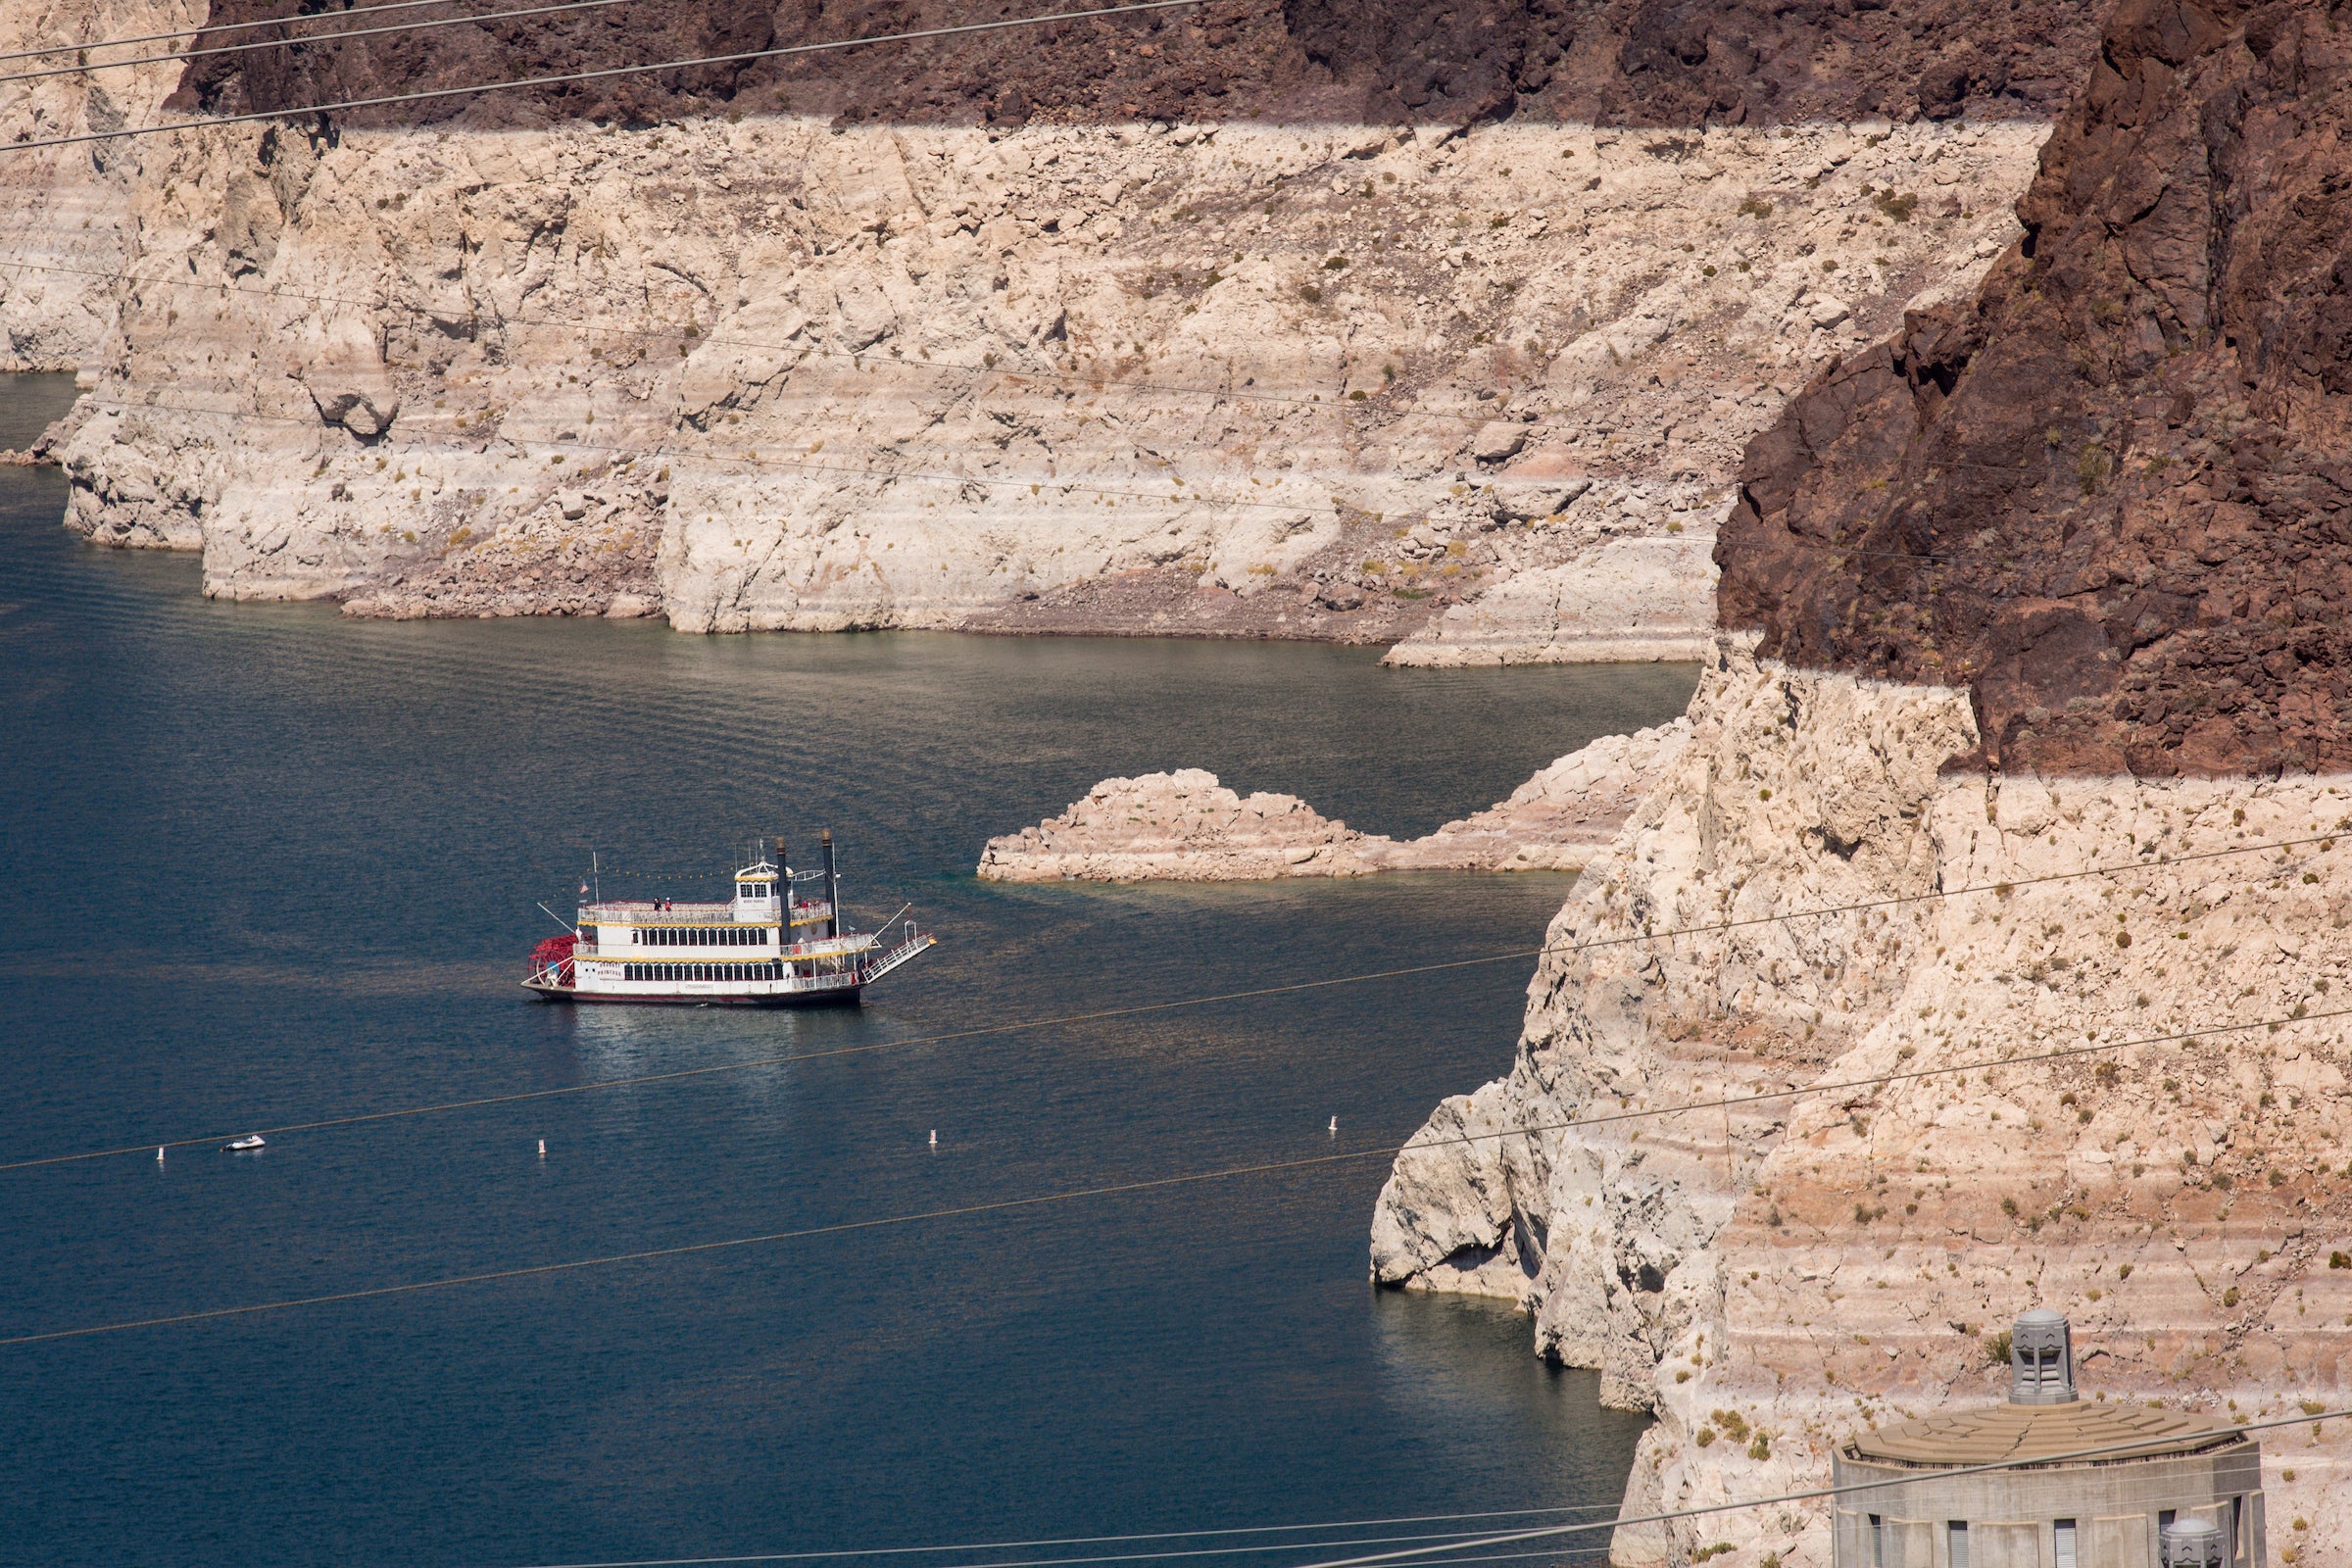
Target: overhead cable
203	28
741	57
1937	1474
473	18
1554	1553
730	456
723	456
1589	945
1436	1557
1159	1182
1097	1561
859	359
1036	1542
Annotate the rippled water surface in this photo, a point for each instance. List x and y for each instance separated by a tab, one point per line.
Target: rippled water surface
266	866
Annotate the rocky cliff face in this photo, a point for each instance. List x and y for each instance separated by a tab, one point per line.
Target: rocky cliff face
1328	381
2041	585
1800	1268
66	225
2107	496
1648	62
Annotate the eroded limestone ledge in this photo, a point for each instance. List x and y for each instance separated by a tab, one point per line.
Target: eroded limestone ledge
1319	382
1812	1264
1187	827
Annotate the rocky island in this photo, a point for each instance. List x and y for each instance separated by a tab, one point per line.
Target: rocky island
1187	827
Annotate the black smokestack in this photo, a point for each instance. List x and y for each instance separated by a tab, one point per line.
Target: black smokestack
784	885
832	885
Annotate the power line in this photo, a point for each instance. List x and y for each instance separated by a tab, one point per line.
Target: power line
384	100
769	1062
314	38
2124	1448
750	455
1101	1541
1047	1562
1152	1183
2102	1451
1079	380
1588	946
204	27
1554	1555
720	458
1454	1535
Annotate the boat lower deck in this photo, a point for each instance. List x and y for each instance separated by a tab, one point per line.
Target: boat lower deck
710	994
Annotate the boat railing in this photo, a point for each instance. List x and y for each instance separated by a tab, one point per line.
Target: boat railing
685	915
915	941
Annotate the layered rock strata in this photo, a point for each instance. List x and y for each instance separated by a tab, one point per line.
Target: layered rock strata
1648	62
1768	1276
2108	494
1187	827
2042	587
68	224
1322	382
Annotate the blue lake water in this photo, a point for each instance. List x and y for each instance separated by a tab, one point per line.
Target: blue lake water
264	865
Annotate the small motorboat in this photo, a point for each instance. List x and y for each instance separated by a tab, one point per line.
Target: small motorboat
249	1142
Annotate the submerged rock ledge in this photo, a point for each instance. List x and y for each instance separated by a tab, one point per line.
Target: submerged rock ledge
1187	827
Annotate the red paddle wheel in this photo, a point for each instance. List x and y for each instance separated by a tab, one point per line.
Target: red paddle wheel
553	958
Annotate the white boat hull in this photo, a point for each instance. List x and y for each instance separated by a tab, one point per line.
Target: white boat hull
732	984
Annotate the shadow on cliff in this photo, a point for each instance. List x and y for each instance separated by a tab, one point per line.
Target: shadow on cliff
1372	62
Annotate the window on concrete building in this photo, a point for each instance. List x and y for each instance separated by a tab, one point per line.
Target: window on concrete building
1956	1533
1878	1542
2062	1539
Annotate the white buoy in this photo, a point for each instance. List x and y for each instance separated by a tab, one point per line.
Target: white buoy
1335	1124
542	1149
934	1137
158	1153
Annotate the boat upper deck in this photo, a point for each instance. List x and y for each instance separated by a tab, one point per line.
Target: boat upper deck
649	912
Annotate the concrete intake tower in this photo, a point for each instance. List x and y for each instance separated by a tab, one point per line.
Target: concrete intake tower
2092	1485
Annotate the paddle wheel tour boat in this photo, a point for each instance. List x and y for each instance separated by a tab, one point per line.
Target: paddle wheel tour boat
770	947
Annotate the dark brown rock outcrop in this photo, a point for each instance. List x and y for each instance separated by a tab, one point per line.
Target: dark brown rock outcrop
1639	62
2113	494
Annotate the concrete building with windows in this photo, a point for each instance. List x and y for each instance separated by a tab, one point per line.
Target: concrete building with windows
2158	1485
